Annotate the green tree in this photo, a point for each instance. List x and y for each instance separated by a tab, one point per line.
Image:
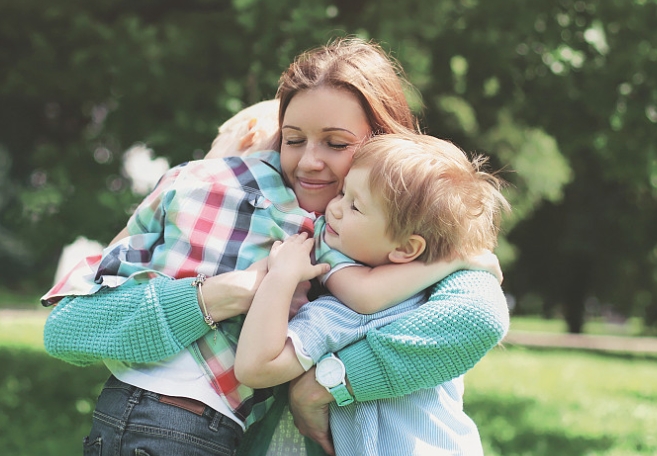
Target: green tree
562	94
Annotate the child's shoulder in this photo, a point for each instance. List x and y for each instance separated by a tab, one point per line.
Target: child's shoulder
222	169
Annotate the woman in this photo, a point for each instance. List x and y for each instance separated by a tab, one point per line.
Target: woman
330	100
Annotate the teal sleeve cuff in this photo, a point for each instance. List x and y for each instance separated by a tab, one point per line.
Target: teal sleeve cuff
364	373
181	311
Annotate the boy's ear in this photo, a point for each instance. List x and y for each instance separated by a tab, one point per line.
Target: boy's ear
409	250
248	139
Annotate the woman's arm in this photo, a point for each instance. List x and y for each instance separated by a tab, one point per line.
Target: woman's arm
465	317
146	322
116	323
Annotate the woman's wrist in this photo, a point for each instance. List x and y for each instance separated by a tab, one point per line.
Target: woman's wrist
305	390
179	303
230	294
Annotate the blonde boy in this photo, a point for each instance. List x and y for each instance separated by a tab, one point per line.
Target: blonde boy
405	198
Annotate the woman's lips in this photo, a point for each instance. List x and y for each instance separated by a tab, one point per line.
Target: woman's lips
310	184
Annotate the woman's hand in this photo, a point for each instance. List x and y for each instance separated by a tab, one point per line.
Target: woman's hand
230	294
485	261
309	403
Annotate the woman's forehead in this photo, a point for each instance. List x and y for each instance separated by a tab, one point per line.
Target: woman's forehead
326	108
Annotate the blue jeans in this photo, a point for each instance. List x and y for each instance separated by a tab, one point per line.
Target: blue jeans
132	421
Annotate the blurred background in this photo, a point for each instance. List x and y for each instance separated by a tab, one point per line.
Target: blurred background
562	94
98	98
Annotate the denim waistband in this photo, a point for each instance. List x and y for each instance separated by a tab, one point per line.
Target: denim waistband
191	405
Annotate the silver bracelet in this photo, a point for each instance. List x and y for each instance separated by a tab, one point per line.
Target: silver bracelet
198	283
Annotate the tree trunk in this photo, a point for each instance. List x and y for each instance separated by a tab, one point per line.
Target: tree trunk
576	290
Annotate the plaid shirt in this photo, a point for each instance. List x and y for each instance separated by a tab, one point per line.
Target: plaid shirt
210	217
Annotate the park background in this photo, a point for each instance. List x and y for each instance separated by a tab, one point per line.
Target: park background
561	94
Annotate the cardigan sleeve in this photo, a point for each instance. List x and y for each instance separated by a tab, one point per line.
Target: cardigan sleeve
140	323
466	315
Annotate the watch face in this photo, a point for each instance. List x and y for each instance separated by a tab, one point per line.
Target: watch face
330	372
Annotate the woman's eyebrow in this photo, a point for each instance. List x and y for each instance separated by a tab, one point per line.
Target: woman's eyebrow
338	129
324	130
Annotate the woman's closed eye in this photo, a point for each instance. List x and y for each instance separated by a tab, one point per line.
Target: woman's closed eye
338	146
294	142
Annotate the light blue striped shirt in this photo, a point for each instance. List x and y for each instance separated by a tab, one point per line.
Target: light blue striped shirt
426	422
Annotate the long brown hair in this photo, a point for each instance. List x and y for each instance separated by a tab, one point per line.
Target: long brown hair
361	67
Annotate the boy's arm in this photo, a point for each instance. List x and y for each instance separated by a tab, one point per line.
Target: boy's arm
264	355
367	290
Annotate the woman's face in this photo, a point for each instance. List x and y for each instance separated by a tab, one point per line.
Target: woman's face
320	131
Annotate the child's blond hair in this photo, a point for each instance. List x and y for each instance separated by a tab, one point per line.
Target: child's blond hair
429	187
251	130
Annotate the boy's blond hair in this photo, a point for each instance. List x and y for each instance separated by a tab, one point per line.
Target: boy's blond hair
429	187
251	130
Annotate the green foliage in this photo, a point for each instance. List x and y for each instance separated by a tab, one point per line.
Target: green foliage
45	404
562	94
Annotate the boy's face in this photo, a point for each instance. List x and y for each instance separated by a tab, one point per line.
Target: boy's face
356	222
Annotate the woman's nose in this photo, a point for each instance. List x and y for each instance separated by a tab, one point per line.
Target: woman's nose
310	160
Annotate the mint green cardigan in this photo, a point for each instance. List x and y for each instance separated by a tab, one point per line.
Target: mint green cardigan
465	316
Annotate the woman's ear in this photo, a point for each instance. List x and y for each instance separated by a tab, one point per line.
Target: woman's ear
409	250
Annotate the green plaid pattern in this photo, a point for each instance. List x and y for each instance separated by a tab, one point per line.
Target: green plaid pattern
210	217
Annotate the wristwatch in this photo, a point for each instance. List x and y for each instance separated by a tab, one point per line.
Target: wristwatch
330	373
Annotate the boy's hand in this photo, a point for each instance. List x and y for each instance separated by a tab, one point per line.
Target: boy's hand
485	261
293	257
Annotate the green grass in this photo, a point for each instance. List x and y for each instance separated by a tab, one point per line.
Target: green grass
563	402
45	404
23	330
16	300
632	327
525	402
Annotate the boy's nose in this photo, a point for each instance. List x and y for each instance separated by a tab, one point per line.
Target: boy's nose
335	208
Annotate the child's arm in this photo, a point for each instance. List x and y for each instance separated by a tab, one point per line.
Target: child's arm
264	355
367	290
